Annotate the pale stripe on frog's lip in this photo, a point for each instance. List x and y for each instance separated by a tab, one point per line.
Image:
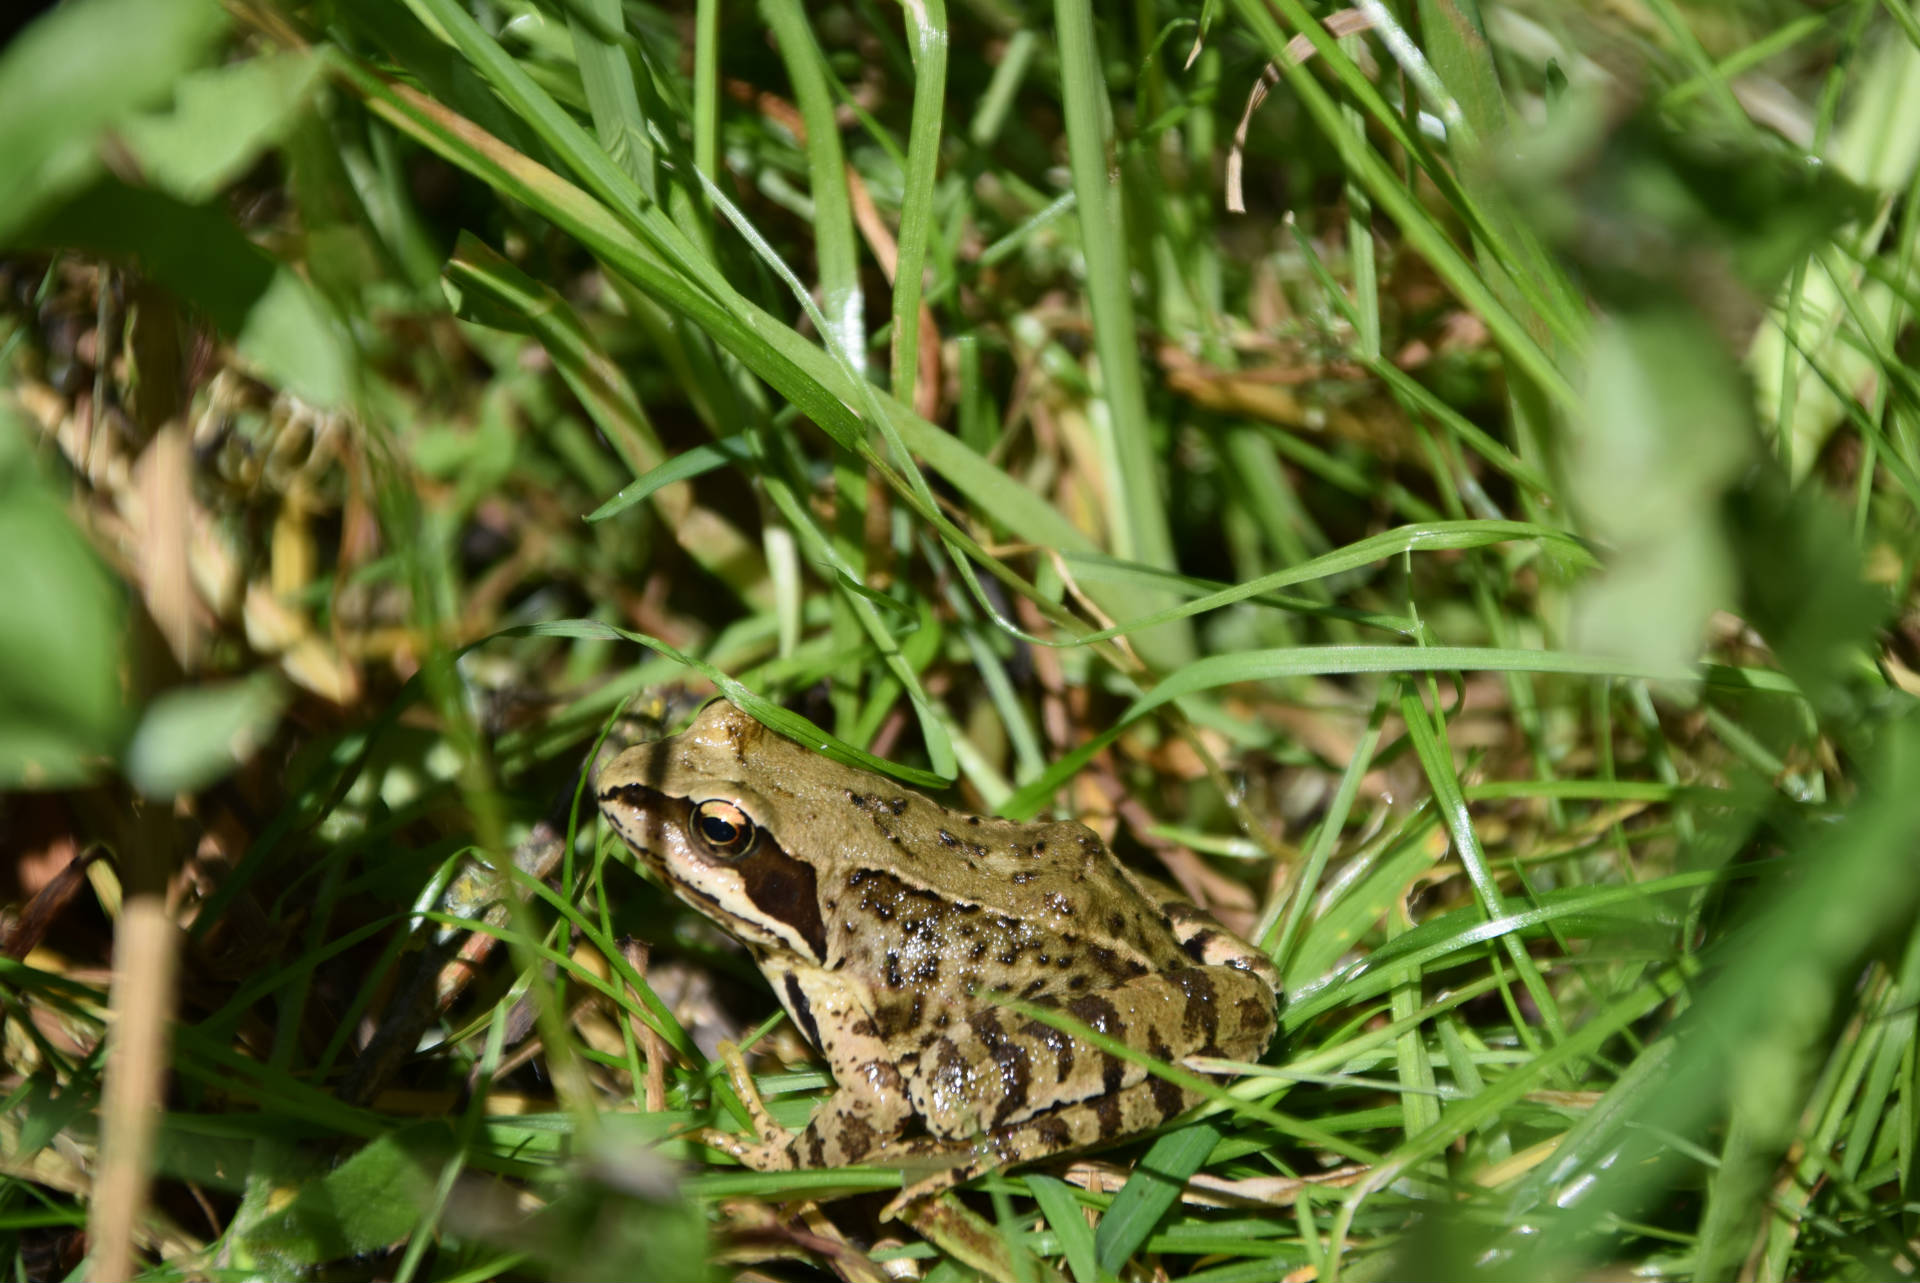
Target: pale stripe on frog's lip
765	896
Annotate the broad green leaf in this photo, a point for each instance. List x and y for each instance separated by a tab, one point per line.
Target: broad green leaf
192	736
78	69
368	1202
61	703
221	120
273	316
1665	435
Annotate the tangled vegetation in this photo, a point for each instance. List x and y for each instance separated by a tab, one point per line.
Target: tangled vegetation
1439	482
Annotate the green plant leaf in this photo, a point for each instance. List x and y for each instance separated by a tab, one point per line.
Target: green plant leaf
190	737
273	316
61	706
371	1200
222	119
78	69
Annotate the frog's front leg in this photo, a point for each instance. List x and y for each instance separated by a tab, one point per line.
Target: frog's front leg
769	1149
864	1113
869	1107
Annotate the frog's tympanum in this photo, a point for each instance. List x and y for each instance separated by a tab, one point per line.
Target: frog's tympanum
894	929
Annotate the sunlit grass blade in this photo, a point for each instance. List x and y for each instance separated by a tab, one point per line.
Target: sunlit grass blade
1438	536
1137	511
1322	661
792	725
927	28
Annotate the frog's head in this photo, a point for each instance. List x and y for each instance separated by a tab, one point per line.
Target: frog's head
689	807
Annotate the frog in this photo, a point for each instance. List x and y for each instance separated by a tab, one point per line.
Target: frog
913	946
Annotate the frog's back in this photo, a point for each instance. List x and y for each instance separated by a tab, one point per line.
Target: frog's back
919	889
1030	909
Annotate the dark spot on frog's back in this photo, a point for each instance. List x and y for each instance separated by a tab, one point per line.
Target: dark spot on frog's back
1112	966
1256	1017
1168	1099
894	1018
1058	1041
1202	1020
1016	1076
898	805
1096	1013
785	890
1052	1133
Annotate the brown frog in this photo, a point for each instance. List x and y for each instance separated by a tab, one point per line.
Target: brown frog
892	929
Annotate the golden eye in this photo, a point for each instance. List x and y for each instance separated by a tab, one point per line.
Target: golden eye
723	828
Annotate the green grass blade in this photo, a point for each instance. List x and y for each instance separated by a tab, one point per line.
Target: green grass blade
927	25
1138	512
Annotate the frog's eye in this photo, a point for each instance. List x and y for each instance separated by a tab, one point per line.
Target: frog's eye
723	829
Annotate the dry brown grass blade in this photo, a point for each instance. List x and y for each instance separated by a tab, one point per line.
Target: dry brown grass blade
1347	22
144	958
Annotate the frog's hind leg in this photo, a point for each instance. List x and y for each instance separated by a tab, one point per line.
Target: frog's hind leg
1073	1127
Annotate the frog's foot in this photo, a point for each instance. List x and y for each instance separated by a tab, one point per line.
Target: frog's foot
767	1154
771	1149
1082	1125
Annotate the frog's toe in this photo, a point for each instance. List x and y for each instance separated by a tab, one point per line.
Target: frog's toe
770	1153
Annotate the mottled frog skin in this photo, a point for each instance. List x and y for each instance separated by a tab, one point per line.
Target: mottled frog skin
889	925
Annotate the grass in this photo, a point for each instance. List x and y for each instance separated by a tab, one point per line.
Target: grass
1482	572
